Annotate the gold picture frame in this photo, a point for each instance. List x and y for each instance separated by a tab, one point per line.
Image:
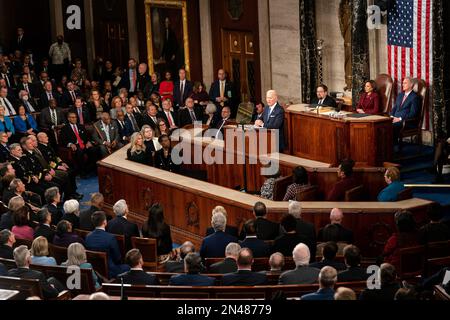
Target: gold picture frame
166	4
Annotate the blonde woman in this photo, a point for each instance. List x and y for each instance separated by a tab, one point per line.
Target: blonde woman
150	140
76	256
116	106
138	151
39	253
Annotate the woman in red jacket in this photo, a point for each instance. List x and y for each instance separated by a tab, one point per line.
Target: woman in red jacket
369	101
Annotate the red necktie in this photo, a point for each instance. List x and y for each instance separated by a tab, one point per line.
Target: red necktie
170	120
80	141
80	115
134	80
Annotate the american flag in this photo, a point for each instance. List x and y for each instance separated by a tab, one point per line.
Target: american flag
410	42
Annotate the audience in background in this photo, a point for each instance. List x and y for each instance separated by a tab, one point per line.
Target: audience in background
158	229
136	275
7	240
276	263
213	246
354	272
327	281
192	277
303	273
395	186
384	287
244	276
39	252
65	236
300	182
229	264
76	256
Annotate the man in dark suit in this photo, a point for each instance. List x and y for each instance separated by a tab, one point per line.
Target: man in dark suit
3	270
28	102
143	78
388	285
303	273
304	228
26	86
190	114
20	42
223	93
150	117
286	242
214	245
258	113
136	275
123	127
8	102
133	121
259	248
97	201
323	99
327	281
80	109
231	230
53	204
130	77
220	124
354	272
273	117
100	240
49	94
228	265
7	240
265	229
120	224
182	90
44	229
75	137
70	95
169	117
51	117
329	255
343	234
192	277
177	266
407	106
244	276
22	257
106	136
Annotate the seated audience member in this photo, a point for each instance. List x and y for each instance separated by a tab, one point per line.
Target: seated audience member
65	236
435	230
24	123
406	236
300	182
100	240
76	256
347	182
97	201
265	229
327	281
151	142
323	99
329	255
22	258
39	253
330	233
354	272
258	113
259	248
267	187
343	293
170	117
231	230
276	263
192	277
157	228
120	224
21	219
6	124
106	136
138	151
136	275
369	101
228	265
17	188
53	200
406	294
72	213
286	242
7	240
395	186
99	296
303	273
388	285
343	235
163	157
304	228
125	131
177	265
244	276
190	114
6	221
199	94
44	229
163	128
209	114
213	246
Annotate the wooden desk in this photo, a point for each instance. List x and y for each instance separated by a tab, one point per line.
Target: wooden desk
368	140
188	204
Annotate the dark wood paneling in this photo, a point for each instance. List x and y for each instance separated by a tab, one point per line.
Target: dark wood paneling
142	33
76	38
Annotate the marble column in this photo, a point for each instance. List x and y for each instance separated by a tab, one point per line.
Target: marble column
206	42
308	49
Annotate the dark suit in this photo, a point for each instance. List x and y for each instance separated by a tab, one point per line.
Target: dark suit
327	102
174	266
177	98
56	212
6	221
44	231
339	266
44	99
126	81
162	115
27	104
353	274
386	293
67	99
287	242
24	273
85	218
410	109
244	278
231	230
259	248
147	120
265	229
45	119
195	280
344	235
31	91
3	270
142	81
275	121
129	123
228	265
308	230
213	246
4	153
124	130
6	252
100	240
300	275
120	225
230	94
138	277
84	111
185	116
73	219
323	294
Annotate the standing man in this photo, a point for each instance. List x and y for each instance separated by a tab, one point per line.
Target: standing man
130	77
273	117
61	56
223	94
182	90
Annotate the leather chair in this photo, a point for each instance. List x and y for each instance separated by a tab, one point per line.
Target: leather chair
307	194
384	87
355	194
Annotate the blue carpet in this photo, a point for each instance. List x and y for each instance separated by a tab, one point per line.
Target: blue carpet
87	187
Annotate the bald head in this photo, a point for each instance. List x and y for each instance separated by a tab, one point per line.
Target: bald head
336	216
245	259
276	261
301	255
271	97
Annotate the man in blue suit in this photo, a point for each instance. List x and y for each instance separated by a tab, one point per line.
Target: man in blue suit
259	248
223	93
213	246
182	90
407	106
192	277
100	240
273	117
244	276
327	281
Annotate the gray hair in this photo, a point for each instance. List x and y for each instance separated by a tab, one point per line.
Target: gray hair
14	146
16	203
14	184
21	256
232	250
71	206
301	255
219	221
295	208
328	277
210	108
50	194
220	209
120	208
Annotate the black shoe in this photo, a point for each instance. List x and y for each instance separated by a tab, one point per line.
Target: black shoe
78	196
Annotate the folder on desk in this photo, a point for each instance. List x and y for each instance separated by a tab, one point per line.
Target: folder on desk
358	115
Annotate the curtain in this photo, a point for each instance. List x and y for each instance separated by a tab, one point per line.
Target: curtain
308	49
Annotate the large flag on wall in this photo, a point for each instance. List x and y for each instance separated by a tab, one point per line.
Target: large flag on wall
410	50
